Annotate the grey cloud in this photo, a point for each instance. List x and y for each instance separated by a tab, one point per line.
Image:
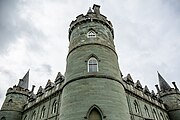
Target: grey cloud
12	26
45	68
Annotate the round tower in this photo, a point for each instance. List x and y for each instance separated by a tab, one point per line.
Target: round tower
15	100
170	97
93	87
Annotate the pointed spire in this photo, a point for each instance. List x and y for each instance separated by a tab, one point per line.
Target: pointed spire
164	86
89	11
23	83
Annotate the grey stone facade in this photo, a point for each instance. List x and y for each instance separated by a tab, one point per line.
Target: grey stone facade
93	87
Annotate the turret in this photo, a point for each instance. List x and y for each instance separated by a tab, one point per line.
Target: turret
93	84
170	97
15	100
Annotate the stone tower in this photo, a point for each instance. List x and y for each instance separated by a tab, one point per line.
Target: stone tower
170	97
15	100
93	87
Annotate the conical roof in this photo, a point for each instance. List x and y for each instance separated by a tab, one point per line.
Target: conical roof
164	86
24	82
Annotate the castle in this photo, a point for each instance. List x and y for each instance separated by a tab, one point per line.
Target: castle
93	87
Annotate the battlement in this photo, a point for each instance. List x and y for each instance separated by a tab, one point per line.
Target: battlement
18	90
136	89
89	17
51	89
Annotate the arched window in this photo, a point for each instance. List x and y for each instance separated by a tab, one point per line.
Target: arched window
136	107
92	65
146	111
161	116
155	114
34	115
54	107
95	115
91	34
3	118
43	110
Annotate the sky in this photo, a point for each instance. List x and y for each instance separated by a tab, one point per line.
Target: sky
34	35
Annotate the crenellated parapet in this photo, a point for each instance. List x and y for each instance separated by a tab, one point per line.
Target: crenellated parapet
51	89
143	93
17	90
91	16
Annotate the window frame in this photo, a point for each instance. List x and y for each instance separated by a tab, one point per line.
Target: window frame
91	34
43	110
92	67
136	107
54	107
146	111
34	115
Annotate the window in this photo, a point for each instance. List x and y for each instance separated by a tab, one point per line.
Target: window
155	115
92	65
54	107
95	115
34	115
42	112
91	34
161	116
146	111
136	107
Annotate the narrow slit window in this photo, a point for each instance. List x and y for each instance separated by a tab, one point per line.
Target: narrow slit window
91	34
92	65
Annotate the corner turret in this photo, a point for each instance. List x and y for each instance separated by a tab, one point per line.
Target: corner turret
170	97
15	100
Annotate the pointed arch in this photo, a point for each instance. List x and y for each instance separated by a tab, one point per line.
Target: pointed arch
54	107
146	111
91	33
94	113
136	107
34	115
155	114
92	55
43	110
92	65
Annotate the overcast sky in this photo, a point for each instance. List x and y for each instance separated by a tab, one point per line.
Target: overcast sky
34	35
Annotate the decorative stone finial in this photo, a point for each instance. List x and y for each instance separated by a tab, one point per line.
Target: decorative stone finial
157	88
32	90
89	11
176	88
